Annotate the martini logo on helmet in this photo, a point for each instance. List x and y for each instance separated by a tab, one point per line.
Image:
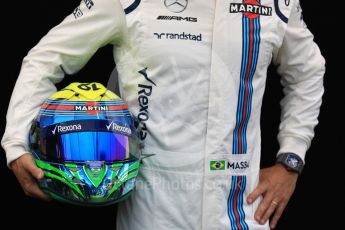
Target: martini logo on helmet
176	6
116	127
251	9
91	107
61	129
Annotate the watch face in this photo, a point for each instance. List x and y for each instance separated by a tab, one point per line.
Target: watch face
292	161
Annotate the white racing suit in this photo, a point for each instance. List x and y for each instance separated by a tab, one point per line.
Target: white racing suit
194	74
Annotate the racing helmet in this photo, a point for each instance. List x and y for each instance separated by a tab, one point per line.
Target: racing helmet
86	142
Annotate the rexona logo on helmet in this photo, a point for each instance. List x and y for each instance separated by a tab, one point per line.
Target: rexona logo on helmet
86	142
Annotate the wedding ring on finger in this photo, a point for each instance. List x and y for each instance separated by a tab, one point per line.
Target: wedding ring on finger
274	203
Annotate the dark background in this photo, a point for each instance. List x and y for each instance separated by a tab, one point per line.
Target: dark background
318	192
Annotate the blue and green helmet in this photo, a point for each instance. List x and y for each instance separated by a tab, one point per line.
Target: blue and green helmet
86	142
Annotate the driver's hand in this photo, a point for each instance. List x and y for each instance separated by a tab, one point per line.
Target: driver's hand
28	174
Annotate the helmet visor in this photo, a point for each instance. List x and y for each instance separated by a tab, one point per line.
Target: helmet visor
87	140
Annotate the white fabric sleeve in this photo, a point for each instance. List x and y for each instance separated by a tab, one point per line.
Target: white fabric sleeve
65	49
302	67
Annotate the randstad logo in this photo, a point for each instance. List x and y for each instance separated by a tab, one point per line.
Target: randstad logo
60	129
217	165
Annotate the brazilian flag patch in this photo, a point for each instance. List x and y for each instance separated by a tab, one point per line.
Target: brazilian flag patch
217	165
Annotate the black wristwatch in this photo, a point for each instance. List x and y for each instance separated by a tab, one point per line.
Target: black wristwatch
291	161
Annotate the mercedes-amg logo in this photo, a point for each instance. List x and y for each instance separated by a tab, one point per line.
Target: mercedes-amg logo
176	6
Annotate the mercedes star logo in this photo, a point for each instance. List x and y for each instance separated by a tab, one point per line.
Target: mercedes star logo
176	6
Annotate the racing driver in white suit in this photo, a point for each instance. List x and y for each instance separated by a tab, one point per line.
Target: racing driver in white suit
193	72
